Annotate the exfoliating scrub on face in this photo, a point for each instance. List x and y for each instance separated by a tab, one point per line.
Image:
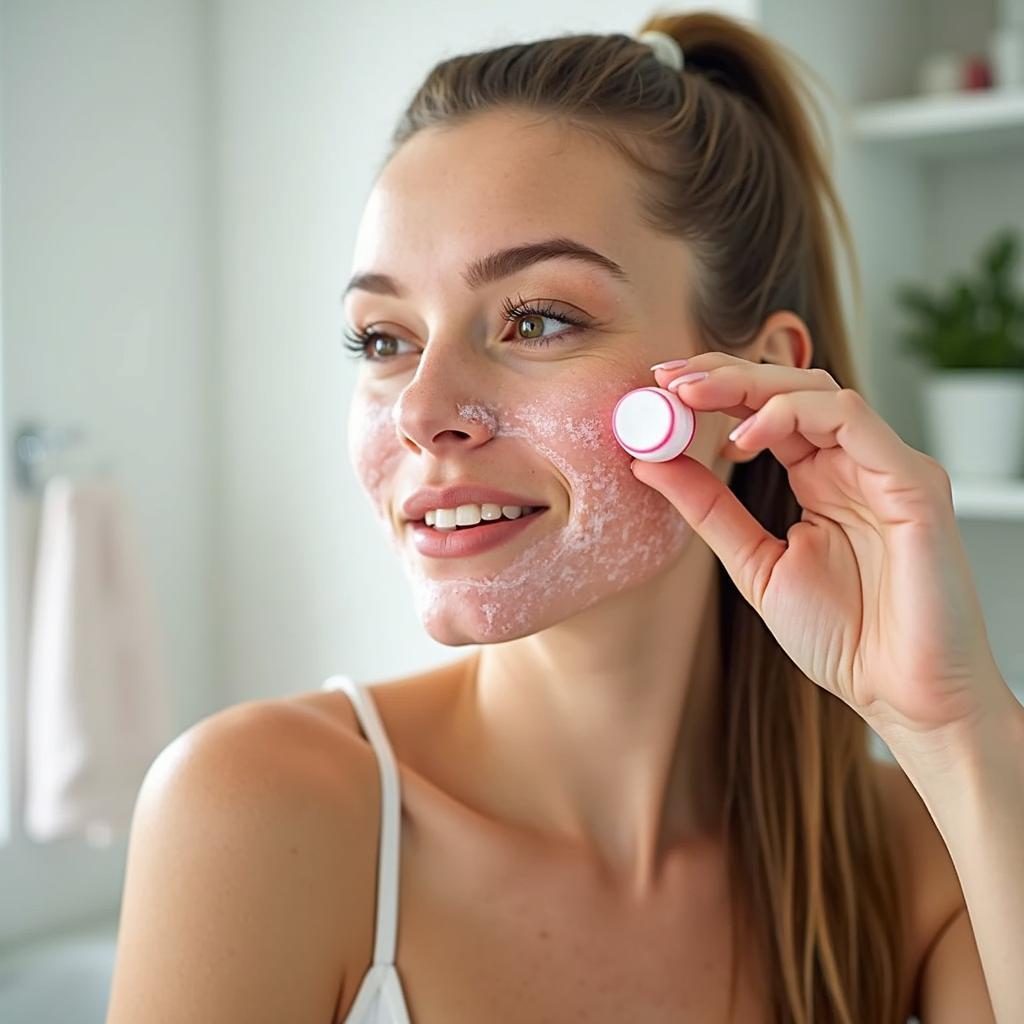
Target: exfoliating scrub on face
602	530
653	424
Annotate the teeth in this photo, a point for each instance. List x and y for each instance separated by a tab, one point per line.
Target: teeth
470	515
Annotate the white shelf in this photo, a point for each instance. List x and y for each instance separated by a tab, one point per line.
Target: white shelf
982	500
976	122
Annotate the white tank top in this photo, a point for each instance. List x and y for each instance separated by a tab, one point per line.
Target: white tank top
380	999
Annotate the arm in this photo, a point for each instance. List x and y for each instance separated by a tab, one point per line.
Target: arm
234	907
972	782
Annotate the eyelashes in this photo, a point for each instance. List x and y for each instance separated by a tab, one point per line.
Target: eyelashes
357	342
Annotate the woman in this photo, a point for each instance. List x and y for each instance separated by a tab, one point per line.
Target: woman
647	795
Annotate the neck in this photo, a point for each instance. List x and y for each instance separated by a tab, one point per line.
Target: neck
601	732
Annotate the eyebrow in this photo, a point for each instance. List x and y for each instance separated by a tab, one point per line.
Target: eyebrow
501	264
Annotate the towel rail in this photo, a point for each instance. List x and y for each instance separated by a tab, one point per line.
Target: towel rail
34	446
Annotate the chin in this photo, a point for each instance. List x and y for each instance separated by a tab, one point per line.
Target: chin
460	628
456	618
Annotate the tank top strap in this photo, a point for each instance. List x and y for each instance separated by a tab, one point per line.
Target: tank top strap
390	815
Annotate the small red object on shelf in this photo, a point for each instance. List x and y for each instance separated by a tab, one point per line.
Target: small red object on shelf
976	73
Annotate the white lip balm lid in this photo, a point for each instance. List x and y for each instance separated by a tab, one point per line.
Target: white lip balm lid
652	424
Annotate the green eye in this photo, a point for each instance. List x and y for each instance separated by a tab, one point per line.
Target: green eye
358	342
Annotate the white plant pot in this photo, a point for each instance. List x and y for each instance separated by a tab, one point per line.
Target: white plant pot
975	422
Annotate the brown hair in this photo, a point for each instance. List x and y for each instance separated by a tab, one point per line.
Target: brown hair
727	160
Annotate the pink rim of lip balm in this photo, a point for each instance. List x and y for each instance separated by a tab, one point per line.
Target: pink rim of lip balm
652	424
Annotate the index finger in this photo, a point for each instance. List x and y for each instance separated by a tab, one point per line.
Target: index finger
739	387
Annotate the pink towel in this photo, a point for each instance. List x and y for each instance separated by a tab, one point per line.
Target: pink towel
97	702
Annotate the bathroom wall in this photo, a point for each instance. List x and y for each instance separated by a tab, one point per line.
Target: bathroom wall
108	277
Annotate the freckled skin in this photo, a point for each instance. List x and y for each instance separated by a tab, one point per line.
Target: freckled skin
459	398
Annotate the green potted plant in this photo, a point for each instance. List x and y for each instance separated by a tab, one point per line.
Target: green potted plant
971	335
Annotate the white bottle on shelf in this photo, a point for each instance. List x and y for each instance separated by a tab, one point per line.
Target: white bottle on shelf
1006	46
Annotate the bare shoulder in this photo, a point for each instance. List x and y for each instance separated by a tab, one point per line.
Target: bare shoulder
407	704
930	866
239	898
283	736
926	868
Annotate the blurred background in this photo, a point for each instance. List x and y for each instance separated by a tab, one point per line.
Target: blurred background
180	185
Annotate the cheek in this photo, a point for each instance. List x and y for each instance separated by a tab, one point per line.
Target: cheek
375	451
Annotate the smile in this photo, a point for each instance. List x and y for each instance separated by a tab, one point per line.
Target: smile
464	541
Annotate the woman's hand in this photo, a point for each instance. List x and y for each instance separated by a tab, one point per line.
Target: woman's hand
871	593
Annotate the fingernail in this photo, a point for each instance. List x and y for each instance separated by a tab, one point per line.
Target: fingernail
670	365
687	378
743	427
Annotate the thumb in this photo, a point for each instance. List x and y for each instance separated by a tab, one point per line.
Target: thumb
746	549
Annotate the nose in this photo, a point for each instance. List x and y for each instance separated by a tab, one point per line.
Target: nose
427	412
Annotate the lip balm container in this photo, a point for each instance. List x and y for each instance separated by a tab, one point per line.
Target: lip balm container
652	424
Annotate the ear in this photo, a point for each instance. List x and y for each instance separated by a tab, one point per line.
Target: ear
784	340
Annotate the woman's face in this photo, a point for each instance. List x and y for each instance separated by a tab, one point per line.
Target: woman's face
455	392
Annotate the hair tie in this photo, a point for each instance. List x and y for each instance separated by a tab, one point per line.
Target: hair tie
665	47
